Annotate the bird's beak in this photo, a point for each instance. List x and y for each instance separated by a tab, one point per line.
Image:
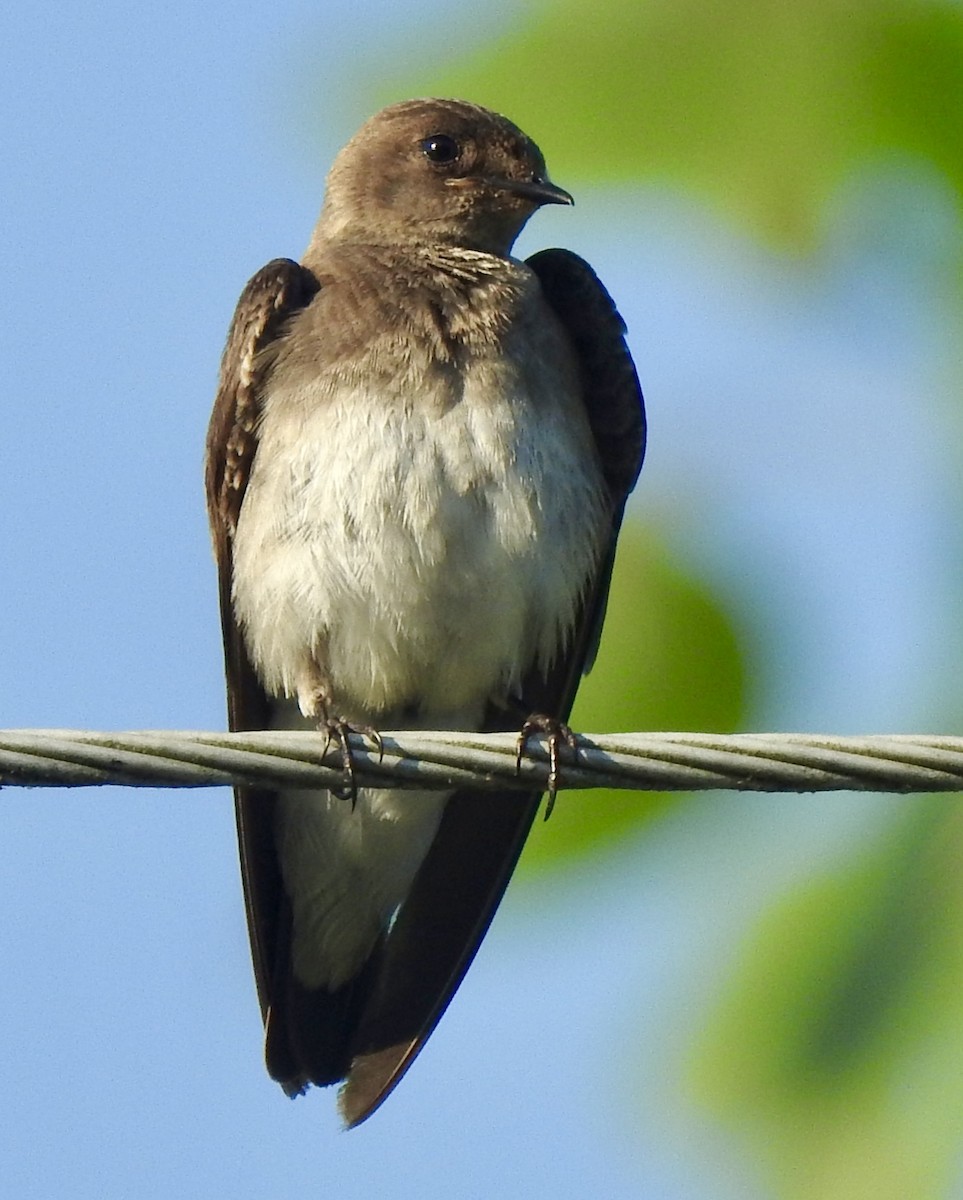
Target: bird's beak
542	191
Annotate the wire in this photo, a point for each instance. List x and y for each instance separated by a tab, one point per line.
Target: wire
759	762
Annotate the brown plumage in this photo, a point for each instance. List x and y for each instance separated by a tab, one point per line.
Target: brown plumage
417	465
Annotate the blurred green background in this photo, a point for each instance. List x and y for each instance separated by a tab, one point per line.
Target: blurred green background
833	1049
718	996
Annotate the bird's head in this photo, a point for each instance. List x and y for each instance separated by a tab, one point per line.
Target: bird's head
437	171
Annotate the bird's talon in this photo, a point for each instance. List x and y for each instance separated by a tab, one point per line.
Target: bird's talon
519	751
558	734
337	730
374	737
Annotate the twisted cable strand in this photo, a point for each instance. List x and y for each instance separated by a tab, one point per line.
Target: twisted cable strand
770	762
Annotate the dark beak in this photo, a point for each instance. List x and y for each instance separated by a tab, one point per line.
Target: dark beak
539	190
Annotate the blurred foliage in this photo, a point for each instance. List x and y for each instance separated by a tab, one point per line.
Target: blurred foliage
838	1052
757	105
670	659
840	1041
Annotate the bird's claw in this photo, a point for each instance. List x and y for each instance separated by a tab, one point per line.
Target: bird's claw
336	729
558	734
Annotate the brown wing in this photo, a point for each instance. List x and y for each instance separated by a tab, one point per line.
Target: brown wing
461	882
616	413
269	299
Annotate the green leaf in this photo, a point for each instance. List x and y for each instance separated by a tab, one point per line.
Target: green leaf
838	1048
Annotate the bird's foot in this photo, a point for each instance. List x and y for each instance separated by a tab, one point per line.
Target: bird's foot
559	735
337	729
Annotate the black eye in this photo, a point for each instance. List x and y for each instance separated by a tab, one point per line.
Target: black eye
440	148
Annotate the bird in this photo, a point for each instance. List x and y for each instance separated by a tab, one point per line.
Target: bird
416	469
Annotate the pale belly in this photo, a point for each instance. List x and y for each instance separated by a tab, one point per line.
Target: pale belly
415	561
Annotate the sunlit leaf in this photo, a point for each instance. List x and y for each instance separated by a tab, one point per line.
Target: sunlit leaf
838	1049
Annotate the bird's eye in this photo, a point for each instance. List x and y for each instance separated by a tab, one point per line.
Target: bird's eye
440	148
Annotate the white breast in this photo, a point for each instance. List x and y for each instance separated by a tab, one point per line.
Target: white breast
417	554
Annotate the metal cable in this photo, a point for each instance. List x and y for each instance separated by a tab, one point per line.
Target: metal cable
761	762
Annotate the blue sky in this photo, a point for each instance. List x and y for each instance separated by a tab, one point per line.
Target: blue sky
799	455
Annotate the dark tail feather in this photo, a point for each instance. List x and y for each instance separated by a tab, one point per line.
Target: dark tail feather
309	1031
434	939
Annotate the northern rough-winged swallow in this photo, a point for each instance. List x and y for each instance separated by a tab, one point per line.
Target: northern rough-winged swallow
417	464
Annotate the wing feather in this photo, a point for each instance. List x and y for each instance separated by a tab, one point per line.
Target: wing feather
268	301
